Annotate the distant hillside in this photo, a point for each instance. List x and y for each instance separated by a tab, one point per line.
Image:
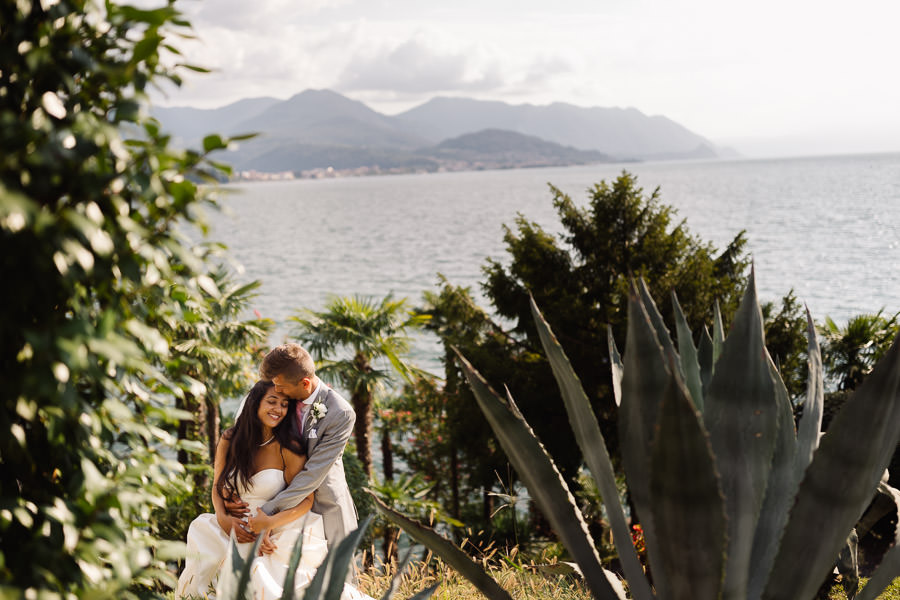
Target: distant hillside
190	125
497	148
624	133
318	129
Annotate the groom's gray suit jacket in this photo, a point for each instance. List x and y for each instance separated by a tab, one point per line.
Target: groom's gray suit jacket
324	440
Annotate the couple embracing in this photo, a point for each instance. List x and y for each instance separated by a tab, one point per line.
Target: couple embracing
278	473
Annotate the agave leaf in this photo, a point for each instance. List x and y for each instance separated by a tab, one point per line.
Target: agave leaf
541	477
646	377
662	333
615	365
705	358
741	414
780	492
690	364
885	573
811	420
839	482
719	330
593	447
445	549
340	560
234	582
296	552
688	507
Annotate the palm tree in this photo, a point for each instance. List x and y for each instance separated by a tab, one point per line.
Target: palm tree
850	352
367	331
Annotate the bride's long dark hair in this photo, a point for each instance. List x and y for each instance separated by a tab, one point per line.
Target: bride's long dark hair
245	438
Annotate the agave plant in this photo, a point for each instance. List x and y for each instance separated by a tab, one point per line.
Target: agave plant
734	502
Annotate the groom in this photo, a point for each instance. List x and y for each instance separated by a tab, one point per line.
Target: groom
323	424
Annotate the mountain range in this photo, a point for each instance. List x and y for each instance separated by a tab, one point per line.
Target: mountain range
321	129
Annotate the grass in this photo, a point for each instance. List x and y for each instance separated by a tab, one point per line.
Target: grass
521	582
892	592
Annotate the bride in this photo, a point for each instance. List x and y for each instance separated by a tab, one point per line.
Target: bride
256	458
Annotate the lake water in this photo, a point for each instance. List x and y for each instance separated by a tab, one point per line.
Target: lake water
828	227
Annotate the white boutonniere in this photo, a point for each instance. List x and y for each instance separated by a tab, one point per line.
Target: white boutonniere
317	411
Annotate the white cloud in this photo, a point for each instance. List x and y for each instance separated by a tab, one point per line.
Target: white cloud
415	66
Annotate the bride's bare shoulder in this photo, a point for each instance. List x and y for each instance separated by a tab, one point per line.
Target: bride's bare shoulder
294	458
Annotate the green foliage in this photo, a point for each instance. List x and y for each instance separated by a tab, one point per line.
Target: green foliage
732	500
850	352
370	331
92	230
580	280
786	342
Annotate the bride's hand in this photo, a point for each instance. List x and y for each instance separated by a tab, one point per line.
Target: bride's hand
236	507
260	521
241	531
267	545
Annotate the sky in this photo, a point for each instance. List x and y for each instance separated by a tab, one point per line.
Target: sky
768	78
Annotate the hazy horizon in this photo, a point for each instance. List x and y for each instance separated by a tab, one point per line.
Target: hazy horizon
766	79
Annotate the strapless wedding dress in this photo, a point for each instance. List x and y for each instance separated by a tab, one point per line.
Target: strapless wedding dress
207	545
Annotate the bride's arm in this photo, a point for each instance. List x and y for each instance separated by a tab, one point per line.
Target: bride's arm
293	465
225	520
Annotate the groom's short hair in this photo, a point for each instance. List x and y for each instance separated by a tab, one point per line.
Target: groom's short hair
289	360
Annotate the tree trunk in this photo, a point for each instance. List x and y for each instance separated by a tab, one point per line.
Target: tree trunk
389	545
362	404
454	482
387	454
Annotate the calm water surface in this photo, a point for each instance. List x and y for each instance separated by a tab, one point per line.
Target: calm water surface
827	227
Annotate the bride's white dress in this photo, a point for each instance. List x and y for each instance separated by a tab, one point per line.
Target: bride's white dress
207	545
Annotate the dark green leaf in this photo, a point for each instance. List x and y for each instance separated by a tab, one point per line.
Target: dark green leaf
448	552
855	452
741	415
593	447
544	483
690	364
687	504
646	376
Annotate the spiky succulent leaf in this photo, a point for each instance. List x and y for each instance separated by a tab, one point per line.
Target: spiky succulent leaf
811	420
889	567
593	448
839	482
690	364
615	365
646	375
293	561
328	582
780	493
662	333
688	507
446	550
705	358
234	576
544	482
741	415
719	330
